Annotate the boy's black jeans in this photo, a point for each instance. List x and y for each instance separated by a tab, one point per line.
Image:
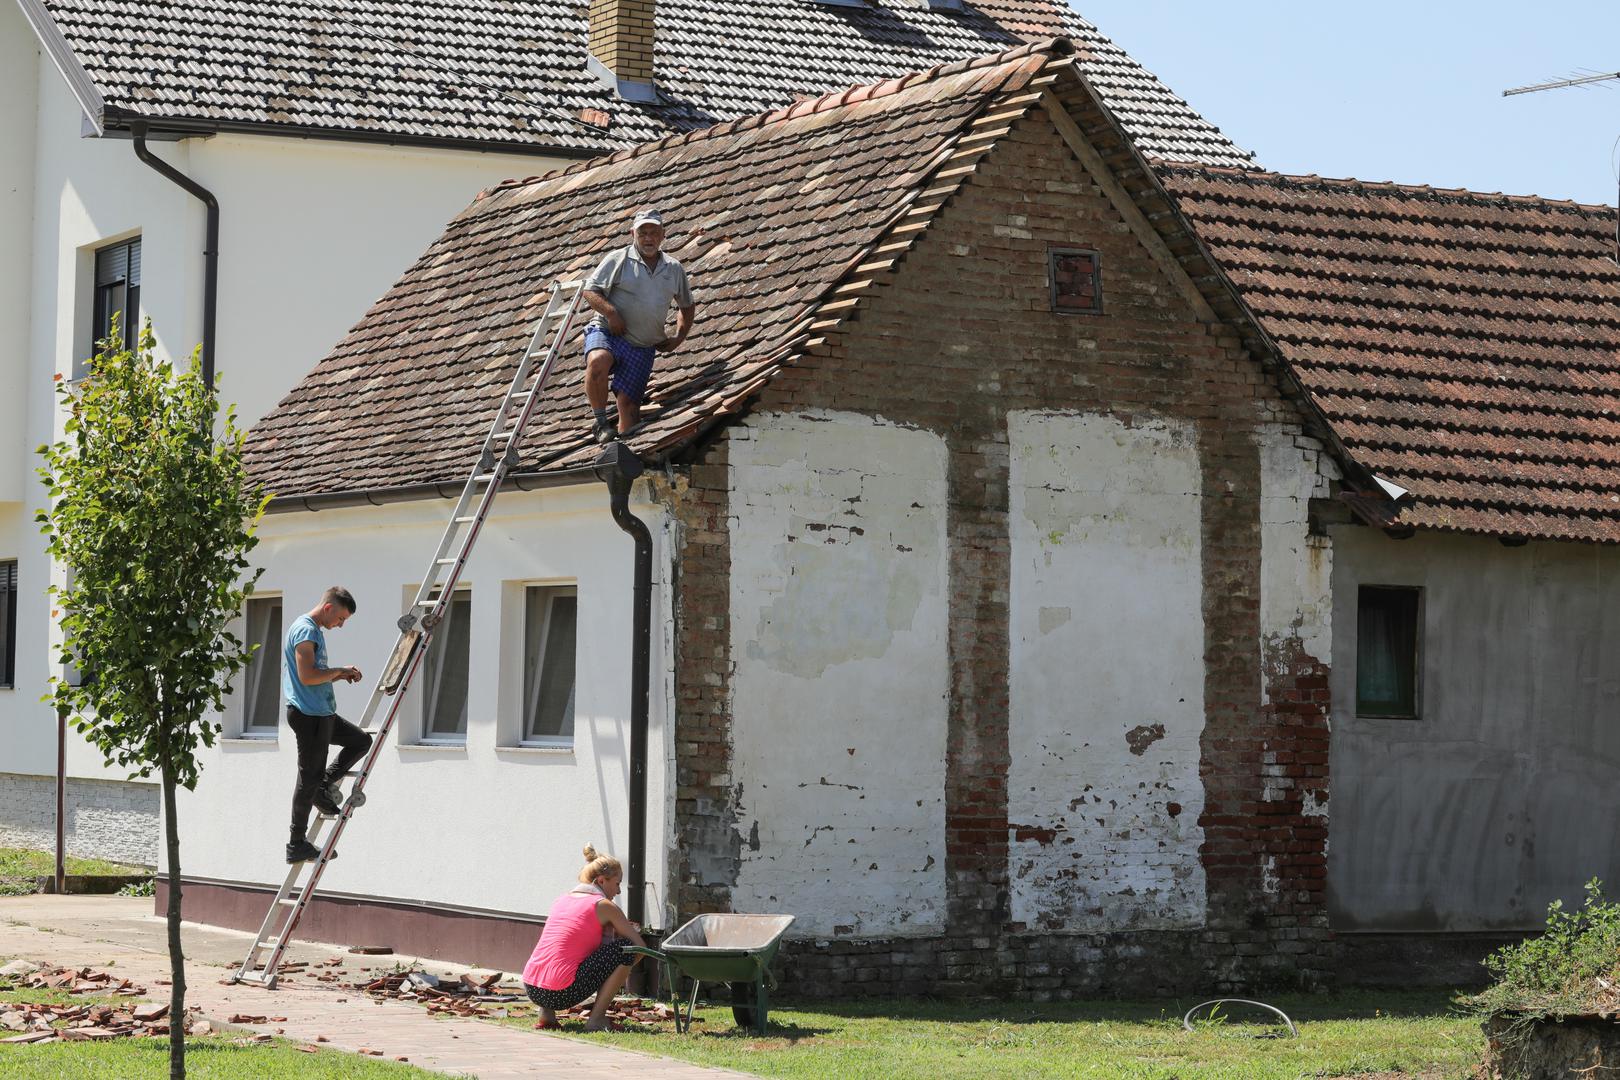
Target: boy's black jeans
315	734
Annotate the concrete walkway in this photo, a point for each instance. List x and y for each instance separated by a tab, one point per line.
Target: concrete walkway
120	935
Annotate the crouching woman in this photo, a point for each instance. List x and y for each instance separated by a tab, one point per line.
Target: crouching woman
581	949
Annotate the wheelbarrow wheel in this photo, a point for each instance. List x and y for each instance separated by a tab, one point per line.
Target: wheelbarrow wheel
744	1006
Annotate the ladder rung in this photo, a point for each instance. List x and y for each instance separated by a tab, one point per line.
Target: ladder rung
507	434
287	900
469	519
445	562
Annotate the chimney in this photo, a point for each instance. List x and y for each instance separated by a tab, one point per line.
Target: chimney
621	47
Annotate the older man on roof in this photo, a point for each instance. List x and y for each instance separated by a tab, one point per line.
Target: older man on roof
631	291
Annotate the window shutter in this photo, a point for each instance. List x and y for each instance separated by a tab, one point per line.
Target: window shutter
119	264
112	264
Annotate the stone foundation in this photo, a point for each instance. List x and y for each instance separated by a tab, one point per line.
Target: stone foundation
106	819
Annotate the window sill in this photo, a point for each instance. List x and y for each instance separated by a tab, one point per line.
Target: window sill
256	739
429	747
567	750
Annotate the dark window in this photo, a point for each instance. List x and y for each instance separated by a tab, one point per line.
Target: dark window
444	686
261	695
118	292
8	624
1076	280
550	623
1387	651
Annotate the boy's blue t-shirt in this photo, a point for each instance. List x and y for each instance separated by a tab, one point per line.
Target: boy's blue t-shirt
309	700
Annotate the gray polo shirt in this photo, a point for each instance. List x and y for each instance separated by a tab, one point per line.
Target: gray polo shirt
641	293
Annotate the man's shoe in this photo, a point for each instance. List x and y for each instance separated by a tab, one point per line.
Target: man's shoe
606	432
304	851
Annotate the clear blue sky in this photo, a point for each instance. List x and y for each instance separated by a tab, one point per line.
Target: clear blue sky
1380	90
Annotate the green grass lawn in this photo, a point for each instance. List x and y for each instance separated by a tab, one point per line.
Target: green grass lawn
21	862
215	1057
20	866
1415	1034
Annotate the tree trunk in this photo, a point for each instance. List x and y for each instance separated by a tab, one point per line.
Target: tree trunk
177	958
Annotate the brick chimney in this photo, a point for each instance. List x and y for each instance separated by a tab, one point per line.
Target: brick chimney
621	47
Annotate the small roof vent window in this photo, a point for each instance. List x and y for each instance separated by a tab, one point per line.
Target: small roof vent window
1076	276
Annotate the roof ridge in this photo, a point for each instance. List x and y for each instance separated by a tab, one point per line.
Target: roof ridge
1055	46
1278	179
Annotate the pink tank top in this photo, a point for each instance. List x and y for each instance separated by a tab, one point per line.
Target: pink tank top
572	932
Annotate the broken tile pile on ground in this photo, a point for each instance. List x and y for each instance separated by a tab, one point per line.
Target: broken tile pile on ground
484	996
39	1022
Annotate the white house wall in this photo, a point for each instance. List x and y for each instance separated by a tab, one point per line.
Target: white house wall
1499	797
839	619
1107	673
476	826
19	129
311	233
1296	599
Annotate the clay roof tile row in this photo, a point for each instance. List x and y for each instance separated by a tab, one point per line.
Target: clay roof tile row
515	72
1463	345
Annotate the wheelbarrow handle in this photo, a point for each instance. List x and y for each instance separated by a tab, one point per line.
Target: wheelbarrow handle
642	950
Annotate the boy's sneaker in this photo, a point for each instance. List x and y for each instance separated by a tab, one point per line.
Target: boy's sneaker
304	851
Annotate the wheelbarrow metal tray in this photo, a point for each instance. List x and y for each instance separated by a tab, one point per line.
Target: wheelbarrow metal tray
726	947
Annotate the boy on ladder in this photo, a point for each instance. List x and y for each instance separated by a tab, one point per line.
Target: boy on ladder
306	683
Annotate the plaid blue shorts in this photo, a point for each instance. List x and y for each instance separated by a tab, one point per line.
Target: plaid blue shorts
632	364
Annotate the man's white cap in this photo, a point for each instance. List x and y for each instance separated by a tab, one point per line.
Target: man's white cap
647	217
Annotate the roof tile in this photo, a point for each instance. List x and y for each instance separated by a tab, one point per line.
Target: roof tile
514	72
769	220
1465	346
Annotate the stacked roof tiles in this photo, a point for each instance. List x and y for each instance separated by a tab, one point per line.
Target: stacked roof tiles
771	215
514	72
1464	346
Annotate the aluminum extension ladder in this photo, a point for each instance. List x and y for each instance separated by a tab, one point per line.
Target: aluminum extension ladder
495	459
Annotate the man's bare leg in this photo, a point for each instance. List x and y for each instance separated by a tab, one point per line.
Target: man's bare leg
629	412
597	1021
598	372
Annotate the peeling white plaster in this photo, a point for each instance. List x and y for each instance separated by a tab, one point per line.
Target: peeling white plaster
1296	569
1107	707
839	619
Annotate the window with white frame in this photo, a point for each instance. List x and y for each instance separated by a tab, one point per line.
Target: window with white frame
444	674
550	619
261	689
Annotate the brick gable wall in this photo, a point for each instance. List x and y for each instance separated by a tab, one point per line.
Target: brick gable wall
961	338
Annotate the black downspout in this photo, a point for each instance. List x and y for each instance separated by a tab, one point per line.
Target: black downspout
210	244
618	467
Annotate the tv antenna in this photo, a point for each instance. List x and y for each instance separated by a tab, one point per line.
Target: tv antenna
1581	80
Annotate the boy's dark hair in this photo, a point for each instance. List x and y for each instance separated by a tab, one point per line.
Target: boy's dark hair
337	594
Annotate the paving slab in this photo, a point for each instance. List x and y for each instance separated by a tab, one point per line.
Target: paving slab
120	935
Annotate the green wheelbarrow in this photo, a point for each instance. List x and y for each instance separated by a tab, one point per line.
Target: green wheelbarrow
733	949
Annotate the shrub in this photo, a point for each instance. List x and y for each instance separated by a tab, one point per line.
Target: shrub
1572	968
